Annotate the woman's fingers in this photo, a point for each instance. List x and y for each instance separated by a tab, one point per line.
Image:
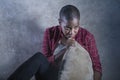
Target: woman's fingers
70	42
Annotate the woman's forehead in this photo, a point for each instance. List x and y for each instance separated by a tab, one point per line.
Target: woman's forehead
71	23
74	19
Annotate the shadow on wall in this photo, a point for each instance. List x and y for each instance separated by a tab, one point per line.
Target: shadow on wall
20	33
21	39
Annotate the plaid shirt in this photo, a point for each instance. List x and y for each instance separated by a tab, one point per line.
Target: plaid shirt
53	34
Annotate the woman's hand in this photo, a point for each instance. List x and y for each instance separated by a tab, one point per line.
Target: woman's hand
68	42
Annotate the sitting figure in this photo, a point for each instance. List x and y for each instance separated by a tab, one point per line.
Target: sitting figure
69	52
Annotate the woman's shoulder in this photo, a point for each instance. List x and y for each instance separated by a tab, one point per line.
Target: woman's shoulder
86	31
53	31
86	34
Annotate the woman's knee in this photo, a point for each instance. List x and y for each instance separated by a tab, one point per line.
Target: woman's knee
38	53
43	61
40	56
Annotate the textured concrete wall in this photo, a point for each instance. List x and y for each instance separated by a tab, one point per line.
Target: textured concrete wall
22	23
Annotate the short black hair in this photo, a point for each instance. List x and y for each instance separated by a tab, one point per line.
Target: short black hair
69	12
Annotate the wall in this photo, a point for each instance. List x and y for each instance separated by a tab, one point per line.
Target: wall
22	23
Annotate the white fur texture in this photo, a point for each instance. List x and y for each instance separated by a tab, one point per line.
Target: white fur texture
78	65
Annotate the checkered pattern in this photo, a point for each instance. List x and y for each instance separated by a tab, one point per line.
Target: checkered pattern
52	36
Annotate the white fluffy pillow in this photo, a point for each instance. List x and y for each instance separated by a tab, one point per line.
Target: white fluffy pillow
78	64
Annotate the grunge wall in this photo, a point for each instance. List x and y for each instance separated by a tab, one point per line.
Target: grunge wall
22	23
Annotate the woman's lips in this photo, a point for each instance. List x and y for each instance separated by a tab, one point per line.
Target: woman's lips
70	36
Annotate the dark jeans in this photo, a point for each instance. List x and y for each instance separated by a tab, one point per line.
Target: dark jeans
37	65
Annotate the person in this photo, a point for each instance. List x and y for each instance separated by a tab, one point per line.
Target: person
57	39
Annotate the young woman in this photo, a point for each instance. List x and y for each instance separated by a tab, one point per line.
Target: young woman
45	65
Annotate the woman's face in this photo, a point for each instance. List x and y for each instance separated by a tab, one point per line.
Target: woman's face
69	27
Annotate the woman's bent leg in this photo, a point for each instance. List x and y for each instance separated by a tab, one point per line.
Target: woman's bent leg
36	63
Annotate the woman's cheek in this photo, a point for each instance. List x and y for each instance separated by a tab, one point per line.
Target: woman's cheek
76	31
66	31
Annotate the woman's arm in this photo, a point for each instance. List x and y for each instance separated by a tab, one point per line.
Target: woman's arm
95	58
46	46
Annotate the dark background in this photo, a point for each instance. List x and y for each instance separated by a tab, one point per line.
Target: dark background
22	23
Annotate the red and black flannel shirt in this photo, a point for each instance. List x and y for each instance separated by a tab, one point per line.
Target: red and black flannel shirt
53	34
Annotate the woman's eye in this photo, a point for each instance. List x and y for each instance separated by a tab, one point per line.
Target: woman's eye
75	27
67	29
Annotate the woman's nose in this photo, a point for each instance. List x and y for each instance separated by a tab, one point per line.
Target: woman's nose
73	31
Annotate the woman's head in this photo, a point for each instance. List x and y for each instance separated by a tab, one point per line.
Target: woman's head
69	20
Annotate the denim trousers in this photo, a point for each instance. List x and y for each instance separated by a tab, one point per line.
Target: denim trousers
37	66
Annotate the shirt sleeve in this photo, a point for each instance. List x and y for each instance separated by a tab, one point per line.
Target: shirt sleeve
94	54
46	46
